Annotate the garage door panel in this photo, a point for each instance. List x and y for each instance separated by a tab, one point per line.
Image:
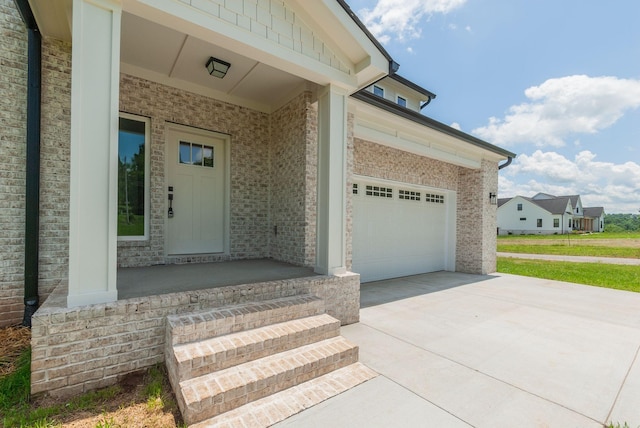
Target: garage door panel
397	237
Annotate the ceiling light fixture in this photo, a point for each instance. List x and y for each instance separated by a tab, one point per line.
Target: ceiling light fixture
217	67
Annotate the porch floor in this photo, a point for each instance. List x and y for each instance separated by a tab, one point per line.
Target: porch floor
162	279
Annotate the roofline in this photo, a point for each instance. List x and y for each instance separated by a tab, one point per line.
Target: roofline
413	86
416	117
393	66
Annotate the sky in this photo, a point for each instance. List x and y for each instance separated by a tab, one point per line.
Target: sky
555	81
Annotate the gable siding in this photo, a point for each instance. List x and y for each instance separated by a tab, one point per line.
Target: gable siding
275	21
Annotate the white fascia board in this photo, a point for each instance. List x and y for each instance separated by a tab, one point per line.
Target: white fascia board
376	125
191	21
345	38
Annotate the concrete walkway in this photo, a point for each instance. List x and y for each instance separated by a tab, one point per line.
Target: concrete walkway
456	350
575	259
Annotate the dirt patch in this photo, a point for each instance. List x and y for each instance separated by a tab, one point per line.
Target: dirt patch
13	342
126	404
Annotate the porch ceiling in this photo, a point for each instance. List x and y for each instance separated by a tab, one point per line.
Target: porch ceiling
177	57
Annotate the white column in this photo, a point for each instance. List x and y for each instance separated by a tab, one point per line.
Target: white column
94	151
332	179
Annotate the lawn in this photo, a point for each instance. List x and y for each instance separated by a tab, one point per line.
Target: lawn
142	399
620	277
624	245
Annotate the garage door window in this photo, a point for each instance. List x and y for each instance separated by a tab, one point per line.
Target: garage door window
382	192
409	195
436	199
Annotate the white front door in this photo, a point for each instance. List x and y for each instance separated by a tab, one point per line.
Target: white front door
195	192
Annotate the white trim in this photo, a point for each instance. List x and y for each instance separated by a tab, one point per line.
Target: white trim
147	175
174	127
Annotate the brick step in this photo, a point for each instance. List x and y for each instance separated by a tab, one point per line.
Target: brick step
275	408
215	322
196	359
213	394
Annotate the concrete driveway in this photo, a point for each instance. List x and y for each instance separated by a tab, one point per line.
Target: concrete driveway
456	350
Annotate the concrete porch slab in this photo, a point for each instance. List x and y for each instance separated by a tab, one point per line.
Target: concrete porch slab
499	350
172	278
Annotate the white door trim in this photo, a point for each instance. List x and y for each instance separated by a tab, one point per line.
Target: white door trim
169	127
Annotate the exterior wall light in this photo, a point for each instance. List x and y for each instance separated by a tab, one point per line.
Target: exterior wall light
218	68
493	198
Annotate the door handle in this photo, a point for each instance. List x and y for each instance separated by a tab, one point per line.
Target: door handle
170	212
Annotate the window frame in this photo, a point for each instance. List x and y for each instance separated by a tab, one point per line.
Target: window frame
539	222
147	175
556	222
380	88
401	104
519	207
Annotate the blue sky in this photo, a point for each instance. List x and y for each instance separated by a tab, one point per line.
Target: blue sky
555	81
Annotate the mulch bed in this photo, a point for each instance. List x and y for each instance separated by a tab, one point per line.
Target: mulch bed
13	342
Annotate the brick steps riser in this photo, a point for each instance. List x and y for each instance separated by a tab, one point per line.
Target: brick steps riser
219	392
200	358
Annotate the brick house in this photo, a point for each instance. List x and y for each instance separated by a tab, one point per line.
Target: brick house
172	132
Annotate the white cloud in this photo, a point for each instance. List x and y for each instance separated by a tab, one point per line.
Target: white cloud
456	125
399	19
562	107
616	187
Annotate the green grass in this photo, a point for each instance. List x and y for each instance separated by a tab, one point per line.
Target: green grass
577	250
135	226
15	410
619	277
574	236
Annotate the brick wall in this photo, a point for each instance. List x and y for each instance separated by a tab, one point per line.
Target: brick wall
80	349
249	131
293	156
375	160
477	220
54	167
13	134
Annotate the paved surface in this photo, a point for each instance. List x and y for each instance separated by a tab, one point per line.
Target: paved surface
151	280
457	350
575	259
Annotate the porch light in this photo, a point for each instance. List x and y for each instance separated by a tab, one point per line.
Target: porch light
217	67
493	198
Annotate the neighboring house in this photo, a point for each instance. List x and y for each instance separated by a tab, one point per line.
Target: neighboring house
140	151
547	214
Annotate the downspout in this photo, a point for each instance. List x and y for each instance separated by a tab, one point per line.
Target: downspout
506	164
32	184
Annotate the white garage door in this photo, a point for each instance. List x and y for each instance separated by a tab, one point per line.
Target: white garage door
401	230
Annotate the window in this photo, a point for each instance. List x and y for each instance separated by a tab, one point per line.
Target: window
539	222
519	207
382	192
196	154
436	199
377	90
556	222
402	101
133	177
408	195
355	188
523	219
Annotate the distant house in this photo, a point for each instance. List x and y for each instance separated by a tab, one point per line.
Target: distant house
547	214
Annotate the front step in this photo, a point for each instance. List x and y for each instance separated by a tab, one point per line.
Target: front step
210	395
278	407
223	358
199	358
